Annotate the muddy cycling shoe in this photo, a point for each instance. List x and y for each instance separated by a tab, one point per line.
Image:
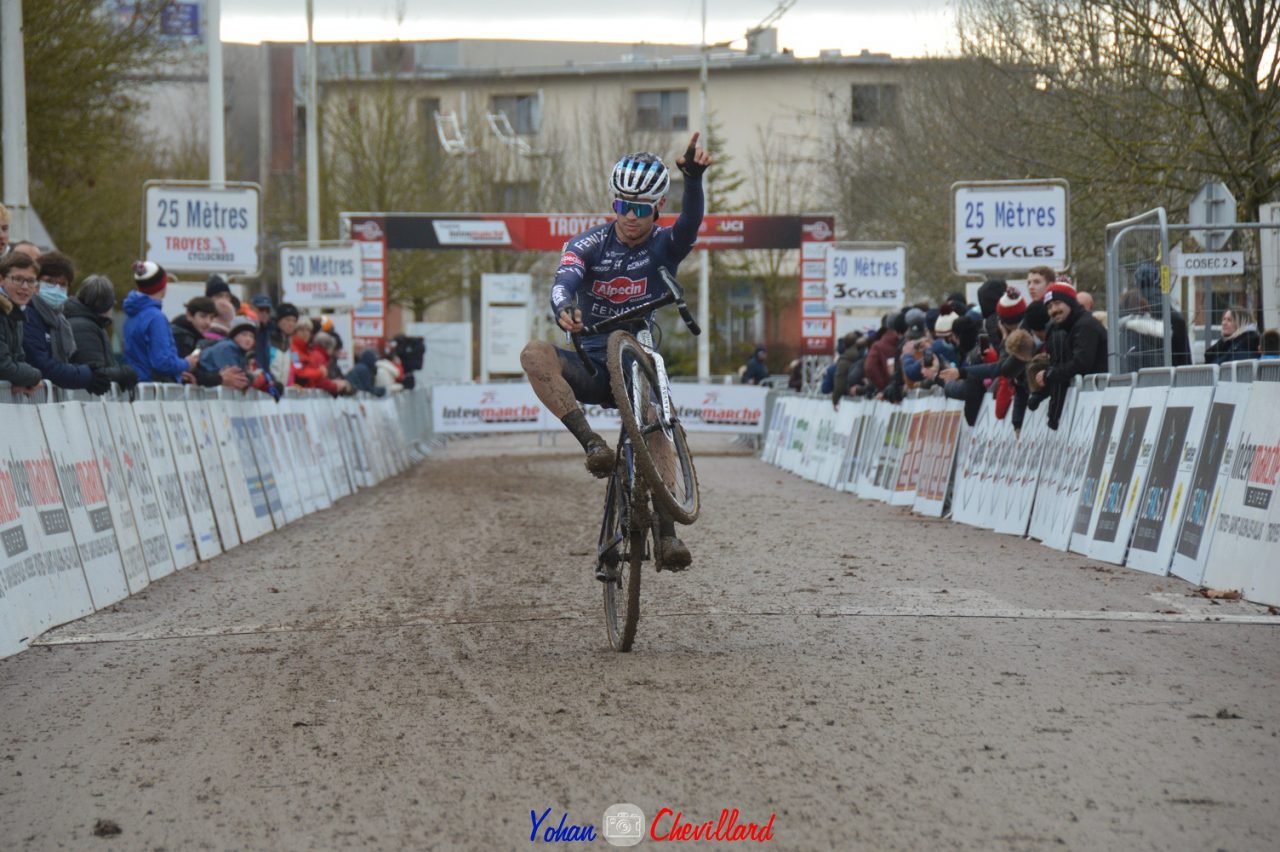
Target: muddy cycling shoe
673	554
600	459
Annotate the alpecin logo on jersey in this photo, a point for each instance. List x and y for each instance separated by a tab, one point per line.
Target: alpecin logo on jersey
621	289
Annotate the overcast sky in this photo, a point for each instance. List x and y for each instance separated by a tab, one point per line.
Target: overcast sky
899	27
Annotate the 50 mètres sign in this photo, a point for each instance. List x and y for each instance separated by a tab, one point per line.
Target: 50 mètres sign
869	275
329	276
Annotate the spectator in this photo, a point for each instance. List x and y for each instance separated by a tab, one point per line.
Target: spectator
47	338
843	377
189	332
795	374
234	351
1239	341
882	356
989	296
362	375
1086	300
1080	351
148	339
757	370
28	248
1270	345
281	338
411	352
311	370
1038	280
225	305
389	375
89	315
943	343
18	277
1036	321
1009	312
1141	337
1146	278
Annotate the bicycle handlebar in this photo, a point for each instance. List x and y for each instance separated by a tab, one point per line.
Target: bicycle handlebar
673	296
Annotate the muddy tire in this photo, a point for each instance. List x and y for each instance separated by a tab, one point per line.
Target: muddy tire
623	542
635	391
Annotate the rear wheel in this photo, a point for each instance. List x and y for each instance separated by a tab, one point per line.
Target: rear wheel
661	450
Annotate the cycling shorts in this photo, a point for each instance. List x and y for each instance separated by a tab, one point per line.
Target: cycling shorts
587	389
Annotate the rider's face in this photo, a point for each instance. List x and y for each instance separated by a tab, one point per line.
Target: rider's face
633	228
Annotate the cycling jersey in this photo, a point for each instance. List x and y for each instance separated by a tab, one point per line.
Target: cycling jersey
607	277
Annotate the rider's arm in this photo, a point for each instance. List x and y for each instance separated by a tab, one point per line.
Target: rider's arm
569	275
685	231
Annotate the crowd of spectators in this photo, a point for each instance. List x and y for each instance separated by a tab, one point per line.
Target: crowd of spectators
1025	352
50	333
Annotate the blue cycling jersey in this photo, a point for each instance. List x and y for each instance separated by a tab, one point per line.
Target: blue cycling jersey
607	277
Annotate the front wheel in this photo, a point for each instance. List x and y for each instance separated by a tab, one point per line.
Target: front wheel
661	449
624	551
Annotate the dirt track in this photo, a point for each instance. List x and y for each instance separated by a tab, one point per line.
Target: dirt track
424	664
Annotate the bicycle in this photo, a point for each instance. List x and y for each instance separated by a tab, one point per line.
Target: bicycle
629	528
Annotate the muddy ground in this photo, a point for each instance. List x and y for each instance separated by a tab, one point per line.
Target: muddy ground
425	663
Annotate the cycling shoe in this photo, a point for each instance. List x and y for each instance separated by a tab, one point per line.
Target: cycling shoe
673	554
600	459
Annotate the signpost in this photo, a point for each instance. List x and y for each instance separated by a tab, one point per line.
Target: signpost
1217	263
506	322
191	227
325	275
1010	226
866	275
1213	205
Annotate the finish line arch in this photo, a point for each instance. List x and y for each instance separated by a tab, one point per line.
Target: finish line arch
379	233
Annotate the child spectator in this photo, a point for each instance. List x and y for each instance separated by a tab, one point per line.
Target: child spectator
47	338
18	277
148	340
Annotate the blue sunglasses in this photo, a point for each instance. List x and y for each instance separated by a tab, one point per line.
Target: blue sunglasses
622	208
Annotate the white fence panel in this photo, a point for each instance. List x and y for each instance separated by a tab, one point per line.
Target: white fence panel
186	460
215	476
111	469
135	466
149	417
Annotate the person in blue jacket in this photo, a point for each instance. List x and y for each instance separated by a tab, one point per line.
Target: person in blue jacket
235	350
148	340
47	339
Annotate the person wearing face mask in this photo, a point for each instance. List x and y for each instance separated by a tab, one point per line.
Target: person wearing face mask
89	313
47	337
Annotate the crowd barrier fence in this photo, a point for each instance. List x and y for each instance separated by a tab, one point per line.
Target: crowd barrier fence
1167	471
99	496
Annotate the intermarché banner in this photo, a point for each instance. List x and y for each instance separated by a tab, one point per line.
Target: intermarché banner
729	409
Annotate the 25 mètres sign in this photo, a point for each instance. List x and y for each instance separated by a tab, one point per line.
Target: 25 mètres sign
323	276
872	275
193	227
1010	226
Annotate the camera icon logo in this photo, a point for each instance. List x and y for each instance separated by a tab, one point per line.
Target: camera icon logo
624	824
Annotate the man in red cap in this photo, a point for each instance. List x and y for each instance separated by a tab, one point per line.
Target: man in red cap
148	339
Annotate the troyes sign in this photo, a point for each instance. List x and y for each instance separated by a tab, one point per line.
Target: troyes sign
192	227
1009	226
325	276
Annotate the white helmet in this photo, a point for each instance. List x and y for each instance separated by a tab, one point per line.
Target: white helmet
640	177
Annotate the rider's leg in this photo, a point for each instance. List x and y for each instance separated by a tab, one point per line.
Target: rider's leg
540	362
673	554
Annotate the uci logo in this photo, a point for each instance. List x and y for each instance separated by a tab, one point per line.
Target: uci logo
731	226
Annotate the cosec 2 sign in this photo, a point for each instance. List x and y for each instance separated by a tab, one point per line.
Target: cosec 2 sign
196	228
1010	226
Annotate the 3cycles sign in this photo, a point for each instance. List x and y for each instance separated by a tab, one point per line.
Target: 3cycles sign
1009	226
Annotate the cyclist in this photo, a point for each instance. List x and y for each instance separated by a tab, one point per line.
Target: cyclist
604	271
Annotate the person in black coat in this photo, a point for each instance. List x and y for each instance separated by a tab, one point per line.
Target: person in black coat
18	276
89	314
1240	340
1146	278
47	337
1077	346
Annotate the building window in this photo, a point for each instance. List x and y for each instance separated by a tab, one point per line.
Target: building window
663	110
427	109
873	105
521	110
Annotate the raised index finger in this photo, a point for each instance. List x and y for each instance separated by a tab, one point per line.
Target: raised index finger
693	147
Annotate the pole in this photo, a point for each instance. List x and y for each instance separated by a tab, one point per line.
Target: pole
217	101
16	191
313	134
704	269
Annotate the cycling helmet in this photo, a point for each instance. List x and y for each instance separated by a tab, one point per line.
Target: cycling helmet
640	177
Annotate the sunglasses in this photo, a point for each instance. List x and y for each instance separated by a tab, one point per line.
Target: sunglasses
622	208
